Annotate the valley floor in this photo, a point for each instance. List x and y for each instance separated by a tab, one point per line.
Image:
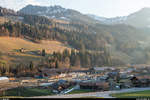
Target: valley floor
105	94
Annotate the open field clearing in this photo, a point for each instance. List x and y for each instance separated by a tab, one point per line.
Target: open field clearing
10	46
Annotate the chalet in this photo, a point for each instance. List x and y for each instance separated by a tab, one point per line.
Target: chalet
45	73
94	85
125	83
141	81
144	80
12	79
24	78
135	82
113	85
61	85
124	75
103	78
22	50
101	69
82	71
62	75
29	81
130	69
114	75
46	84
88	85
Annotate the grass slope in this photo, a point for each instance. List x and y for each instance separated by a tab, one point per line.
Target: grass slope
28	92
139	94
10	45
81	91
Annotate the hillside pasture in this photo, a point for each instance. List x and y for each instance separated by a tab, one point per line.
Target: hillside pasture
10	46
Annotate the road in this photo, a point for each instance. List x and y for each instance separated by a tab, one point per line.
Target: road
105	94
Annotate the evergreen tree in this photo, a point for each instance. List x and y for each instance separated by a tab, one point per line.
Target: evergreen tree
77	61
56	64
31	66
72	57
43	52
66	53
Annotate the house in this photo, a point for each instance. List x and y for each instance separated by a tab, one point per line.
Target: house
114	75
61	82
94	85
22	50
45	73
130	69
12	79
103	86
88	85
46	84
41	76
123	75
62	75
144	80
113	85
77	74
141	81
61	85
135	82
103	78
125	83
99	70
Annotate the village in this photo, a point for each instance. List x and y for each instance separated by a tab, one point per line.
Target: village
94	79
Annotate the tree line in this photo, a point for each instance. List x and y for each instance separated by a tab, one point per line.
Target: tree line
65	59
81	58
20	70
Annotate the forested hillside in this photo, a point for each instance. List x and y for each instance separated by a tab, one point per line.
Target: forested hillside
95	44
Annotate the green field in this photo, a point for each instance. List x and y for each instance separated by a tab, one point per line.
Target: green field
140	94
27	92
92	97
81	91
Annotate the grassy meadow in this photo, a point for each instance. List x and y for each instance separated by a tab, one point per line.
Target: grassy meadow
139	94
9	47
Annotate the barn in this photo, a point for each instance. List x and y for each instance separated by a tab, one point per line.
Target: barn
4	79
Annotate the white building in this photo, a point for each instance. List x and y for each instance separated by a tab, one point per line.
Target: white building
4	79
62	75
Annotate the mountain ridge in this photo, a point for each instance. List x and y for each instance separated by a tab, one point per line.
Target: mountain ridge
140	17
56	12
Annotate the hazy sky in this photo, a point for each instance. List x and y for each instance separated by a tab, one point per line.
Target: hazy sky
105	8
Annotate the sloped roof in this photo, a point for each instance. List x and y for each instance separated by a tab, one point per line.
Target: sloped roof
4	78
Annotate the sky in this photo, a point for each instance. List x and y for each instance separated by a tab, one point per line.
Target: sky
103	8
